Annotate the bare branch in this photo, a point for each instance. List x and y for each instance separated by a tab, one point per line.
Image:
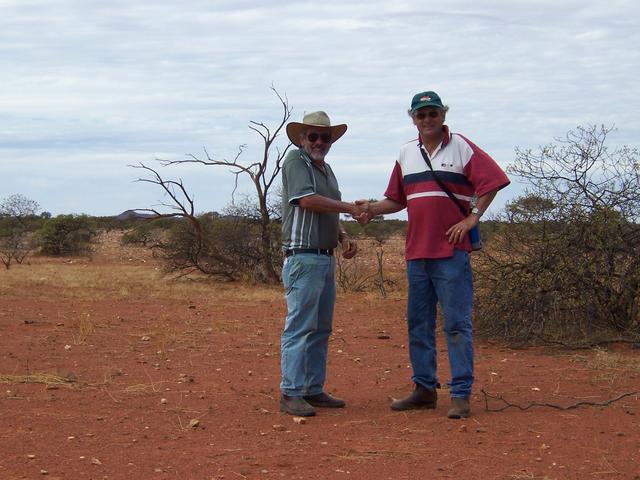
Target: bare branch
262	174
573	406
236	166
184	205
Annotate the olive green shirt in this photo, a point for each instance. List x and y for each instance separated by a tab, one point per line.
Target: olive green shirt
303	228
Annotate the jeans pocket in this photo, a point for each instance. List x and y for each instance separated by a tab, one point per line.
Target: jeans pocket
291	272
286	276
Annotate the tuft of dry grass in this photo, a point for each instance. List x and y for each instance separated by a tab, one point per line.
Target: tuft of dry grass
44	378
606	360
83	327
529	476
143	388
610	366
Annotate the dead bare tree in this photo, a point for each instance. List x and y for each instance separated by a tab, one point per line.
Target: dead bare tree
198	254
262	172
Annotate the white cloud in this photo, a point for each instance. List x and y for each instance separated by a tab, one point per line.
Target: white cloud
112	83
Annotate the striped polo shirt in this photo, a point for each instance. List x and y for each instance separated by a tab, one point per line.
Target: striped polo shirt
303	228
463	167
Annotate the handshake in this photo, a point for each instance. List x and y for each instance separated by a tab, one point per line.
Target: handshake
362	211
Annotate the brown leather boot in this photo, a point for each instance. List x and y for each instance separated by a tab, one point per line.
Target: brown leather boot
460	408
420	398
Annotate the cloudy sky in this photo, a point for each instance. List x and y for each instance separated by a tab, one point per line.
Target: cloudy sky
89	87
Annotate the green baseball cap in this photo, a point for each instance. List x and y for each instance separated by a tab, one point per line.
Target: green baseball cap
425	99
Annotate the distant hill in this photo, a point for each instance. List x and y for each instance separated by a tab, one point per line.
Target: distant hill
131	214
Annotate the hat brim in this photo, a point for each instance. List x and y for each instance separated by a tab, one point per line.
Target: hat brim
294	129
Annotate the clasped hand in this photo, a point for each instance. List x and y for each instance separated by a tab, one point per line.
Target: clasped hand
362	211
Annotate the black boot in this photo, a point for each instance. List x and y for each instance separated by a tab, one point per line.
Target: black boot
324	400
460	408
420	398
296	406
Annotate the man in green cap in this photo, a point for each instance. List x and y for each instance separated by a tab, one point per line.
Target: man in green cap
436	177
311	231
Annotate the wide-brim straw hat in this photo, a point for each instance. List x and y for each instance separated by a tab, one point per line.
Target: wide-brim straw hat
316	120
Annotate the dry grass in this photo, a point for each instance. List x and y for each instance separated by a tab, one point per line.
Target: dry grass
529	476
164	338
610	366
44	378
143	388
86	280
605	360
82	328
118	272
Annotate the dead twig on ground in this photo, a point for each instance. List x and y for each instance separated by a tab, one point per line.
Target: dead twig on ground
104	389
508	404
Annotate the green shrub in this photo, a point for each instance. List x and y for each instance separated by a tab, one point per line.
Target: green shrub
67	235
228	247
564	263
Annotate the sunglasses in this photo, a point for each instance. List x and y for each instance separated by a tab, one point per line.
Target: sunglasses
430	114
313	137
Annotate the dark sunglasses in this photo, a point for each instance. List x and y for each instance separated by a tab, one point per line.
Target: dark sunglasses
430	114
313	137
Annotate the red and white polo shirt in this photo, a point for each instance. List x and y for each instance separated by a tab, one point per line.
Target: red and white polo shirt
463	167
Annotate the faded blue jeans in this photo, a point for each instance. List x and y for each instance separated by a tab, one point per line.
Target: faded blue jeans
310	290
449	282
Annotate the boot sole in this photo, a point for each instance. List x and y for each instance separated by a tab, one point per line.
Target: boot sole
327	405
424	406
284	409
459	415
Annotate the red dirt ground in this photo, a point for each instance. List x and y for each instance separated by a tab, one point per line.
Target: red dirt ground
140	370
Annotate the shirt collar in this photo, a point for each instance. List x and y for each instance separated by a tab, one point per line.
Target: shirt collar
446	138
305	155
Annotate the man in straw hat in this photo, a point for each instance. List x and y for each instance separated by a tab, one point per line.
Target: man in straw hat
311	230
435	178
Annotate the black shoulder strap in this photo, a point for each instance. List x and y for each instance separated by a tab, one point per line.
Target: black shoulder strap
440	183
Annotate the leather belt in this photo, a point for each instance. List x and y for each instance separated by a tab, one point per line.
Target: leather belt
317	251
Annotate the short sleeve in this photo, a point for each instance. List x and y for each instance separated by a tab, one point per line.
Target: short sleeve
483	172
395	190
299	178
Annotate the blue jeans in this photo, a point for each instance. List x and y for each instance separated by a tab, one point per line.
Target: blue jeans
449	282
310	290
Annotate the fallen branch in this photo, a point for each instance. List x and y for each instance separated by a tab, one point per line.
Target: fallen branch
508	404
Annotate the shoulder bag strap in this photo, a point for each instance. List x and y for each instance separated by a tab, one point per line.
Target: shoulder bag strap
440	183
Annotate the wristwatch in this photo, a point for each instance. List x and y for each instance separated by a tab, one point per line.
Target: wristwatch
476	211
